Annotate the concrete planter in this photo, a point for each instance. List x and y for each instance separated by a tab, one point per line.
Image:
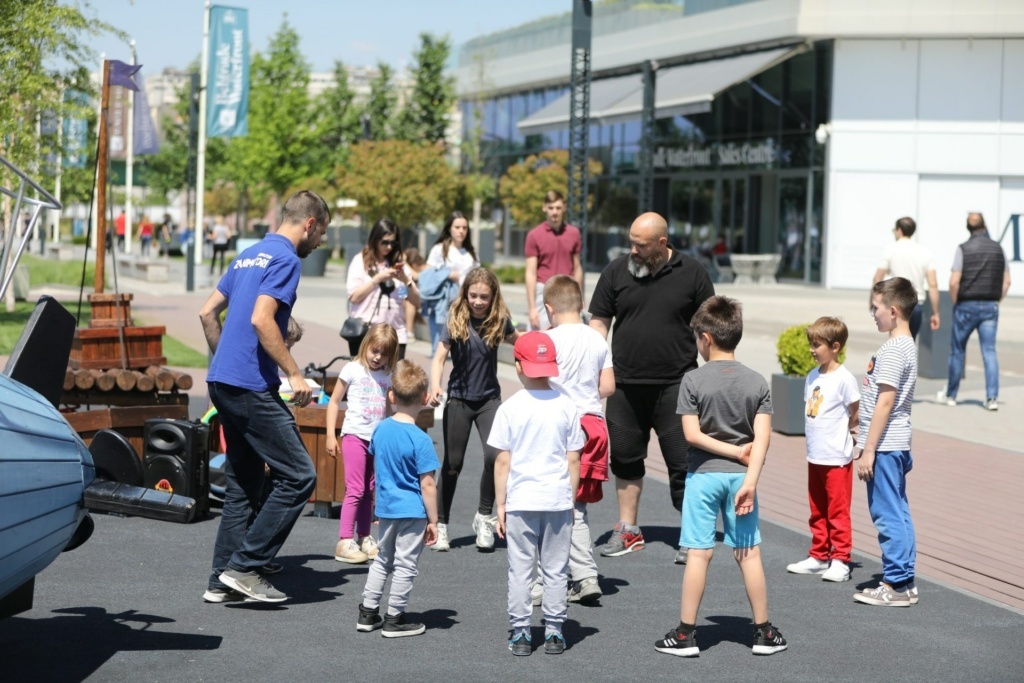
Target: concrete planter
788	403
315	265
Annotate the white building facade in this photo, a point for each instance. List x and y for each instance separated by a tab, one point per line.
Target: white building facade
799	127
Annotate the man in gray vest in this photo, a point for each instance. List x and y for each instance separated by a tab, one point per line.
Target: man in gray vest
979	281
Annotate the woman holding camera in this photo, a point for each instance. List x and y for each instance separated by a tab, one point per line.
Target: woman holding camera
379	282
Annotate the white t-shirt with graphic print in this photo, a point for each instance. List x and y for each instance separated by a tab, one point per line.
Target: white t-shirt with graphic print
367	399
827	400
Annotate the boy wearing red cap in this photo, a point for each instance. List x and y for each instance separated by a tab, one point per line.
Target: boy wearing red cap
537	433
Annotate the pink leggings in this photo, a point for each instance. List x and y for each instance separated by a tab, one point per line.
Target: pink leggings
357	507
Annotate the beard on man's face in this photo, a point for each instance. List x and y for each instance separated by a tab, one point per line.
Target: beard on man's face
307	246
640	267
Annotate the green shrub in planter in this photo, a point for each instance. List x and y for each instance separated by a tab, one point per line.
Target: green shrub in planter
794	353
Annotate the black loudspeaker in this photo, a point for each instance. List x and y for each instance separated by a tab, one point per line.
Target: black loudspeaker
177	459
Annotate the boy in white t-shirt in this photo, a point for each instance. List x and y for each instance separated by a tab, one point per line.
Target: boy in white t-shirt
585	376
537	433
832	399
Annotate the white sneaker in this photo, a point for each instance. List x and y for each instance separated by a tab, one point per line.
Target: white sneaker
348	551
838	571
991	404
484	525
808	566
368	546
943	399
442	544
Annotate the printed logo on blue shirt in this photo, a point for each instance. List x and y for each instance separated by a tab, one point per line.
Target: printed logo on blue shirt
261	260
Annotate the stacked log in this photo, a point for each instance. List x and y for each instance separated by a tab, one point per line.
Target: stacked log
154	378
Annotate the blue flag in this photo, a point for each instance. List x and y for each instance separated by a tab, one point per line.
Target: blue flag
145	140
121	74
227	103
76	132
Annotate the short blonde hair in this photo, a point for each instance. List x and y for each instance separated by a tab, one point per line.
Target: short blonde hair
383	336
409	382
563	294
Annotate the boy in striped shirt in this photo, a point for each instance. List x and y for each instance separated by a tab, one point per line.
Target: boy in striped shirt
884	442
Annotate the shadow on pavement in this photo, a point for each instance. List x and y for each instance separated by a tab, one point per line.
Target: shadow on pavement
82	639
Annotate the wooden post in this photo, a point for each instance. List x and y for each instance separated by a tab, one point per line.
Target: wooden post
101	181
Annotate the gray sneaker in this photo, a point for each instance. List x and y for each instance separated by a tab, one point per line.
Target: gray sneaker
585	591
883	596
252	585
681	555
623	541
915	597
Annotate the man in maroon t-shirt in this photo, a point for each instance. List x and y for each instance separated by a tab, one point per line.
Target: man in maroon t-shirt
552	248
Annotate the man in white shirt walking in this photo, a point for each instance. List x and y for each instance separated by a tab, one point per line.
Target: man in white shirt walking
913	261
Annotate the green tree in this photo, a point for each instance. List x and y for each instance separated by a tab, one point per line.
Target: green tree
43	53
275	152
524	184
411	182
425	115
336	126
380	106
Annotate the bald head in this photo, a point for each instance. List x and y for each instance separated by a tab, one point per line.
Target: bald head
648	240
975	221
651	225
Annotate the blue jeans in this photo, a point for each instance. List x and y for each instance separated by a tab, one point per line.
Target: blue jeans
259	430
435	333
968	316
890	512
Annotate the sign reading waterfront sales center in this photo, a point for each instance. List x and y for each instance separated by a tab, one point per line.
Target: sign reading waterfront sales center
227	113
764	153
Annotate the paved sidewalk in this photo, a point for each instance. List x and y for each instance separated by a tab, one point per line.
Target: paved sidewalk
964	521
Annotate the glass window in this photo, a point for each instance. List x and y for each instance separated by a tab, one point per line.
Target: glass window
503	118
520	106
792	236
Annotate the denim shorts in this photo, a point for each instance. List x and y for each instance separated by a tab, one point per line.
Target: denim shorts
707	495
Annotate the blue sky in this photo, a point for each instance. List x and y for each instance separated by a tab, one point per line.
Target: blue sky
358	32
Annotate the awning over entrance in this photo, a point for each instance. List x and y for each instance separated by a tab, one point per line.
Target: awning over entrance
679	90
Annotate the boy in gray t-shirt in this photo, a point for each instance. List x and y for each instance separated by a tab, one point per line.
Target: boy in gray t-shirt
726	411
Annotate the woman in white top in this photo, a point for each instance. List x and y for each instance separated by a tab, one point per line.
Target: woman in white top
454	250
379	282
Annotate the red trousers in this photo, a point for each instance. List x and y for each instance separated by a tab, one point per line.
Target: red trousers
830	489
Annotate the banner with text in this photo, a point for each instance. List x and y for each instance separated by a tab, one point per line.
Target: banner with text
227	102
145	137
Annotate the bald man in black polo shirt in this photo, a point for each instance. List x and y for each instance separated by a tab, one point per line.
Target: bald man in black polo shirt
651	293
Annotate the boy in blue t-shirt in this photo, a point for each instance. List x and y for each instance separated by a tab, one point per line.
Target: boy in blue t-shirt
405	462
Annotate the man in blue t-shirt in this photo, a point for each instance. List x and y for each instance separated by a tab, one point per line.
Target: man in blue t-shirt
259	429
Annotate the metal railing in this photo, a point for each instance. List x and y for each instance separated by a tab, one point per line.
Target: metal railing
46	201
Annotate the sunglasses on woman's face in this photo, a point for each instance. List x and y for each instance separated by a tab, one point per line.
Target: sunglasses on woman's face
387	243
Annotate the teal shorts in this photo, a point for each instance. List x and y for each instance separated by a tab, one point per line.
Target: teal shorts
710	493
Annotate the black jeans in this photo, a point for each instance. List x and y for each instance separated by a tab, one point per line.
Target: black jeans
258	429
459	418
633	410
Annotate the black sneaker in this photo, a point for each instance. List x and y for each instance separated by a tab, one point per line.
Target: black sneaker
768	641
397	627
369	619
679	643
554	644
520	645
